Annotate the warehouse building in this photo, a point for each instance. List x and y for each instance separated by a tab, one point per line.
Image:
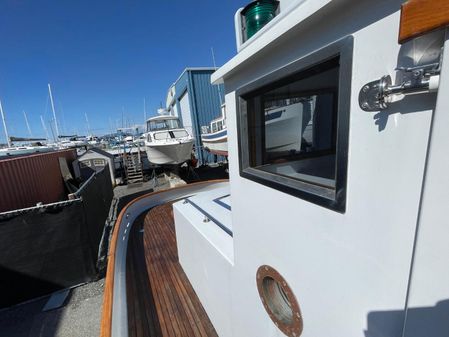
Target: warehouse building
196	102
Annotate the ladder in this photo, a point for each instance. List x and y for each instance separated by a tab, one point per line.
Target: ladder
133	167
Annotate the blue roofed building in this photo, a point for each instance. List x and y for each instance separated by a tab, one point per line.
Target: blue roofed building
196	102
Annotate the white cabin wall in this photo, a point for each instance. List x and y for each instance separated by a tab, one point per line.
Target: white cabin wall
286	4
341	267
429	285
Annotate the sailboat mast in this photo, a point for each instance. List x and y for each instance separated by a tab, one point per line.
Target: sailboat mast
144	110
88	126
215	67
27	124
45	128
54	112
4	125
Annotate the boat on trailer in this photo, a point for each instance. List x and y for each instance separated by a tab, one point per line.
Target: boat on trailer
344	236
215	139
167	142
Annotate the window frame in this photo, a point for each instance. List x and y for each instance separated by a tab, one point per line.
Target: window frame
334	199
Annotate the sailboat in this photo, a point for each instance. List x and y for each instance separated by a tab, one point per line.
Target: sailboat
31	145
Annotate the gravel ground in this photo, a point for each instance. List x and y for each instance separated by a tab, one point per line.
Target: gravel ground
79	317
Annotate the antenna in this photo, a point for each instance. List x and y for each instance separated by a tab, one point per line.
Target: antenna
28	125
45	128
144	110
4	125
54	112
215	67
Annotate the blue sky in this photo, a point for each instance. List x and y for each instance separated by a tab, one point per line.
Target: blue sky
103	56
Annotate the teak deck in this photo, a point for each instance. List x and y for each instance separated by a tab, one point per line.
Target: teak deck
161	300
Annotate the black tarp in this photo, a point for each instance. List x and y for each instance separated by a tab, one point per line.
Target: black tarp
48	248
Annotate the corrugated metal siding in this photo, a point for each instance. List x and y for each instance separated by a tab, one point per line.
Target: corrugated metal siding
207	107
204	105
27	180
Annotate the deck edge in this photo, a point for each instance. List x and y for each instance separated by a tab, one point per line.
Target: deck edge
107	310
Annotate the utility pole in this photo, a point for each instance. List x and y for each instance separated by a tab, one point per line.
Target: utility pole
8	141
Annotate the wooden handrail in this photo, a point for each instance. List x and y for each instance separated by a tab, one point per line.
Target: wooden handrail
422	16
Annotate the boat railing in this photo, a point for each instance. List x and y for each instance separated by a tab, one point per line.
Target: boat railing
114	320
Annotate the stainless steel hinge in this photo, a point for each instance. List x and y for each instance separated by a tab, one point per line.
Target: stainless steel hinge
377	95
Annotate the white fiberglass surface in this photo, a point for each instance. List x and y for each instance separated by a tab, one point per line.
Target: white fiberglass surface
216	203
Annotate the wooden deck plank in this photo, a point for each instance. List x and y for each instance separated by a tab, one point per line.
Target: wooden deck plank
159	236
169	295
140	313
183	301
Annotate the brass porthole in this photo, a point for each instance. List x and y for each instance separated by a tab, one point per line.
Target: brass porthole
279	301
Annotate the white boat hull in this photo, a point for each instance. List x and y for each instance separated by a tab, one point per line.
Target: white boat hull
20	151
216	143
283	130
169	154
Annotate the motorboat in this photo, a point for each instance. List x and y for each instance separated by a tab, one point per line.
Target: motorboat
72	142
167	142
333	224
215	138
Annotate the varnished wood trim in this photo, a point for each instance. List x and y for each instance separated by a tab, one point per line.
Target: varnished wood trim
106	317
422	16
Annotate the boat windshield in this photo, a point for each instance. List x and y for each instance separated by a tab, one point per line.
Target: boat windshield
163	124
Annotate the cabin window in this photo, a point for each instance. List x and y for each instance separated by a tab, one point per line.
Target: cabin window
161	135
180	133
294	129
99	162
214	127
219	125
85	163
163	124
